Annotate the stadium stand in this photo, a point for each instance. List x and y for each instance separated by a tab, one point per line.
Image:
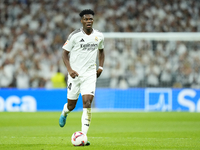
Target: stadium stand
33	32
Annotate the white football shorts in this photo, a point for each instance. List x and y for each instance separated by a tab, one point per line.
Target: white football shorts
81	84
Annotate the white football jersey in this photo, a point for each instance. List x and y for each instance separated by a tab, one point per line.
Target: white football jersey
83	49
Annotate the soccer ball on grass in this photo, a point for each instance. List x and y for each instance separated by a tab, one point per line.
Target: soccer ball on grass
79	138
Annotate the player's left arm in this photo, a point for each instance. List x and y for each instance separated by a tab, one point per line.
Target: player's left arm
101	62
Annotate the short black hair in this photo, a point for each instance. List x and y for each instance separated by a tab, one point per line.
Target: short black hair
86	11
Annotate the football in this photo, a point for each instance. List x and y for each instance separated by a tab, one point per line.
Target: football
79	138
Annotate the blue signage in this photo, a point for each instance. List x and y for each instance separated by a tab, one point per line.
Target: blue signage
137	99
34	100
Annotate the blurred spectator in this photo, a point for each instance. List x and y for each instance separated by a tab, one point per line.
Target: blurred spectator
22	77
133	76
5	80
58	80
166	75
152	75
195	78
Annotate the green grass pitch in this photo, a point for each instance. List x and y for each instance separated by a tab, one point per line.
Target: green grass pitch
108	131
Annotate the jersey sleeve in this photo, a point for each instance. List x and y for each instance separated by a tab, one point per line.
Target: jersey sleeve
68	44
101	44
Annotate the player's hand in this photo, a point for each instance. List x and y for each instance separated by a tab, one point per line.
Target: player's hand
73	74
99	71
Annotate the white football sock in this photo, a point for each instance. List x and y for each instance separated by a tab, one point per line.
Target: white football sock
65	110
86	119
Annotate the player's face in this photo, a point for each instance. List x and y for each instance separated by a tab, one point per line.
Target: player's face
87	21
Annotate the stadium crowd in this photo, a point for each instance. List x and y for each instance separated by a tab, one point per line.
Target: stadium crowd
33	32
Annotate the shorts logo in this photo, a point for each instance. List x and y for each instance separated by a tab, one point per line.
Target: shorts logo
70	86
158	99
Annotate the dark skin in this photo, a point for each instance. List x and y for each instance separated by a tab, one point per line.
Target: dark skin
87	22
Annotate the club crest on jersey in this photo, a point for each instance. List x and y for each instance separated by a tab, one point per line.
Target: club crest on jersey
96	38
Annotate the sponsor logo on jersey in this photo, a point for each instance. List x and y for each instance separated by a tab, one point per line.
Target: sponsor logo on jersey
89	47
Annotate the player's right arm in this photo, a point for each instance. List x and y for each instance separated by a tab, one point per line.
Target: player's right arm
65	57
67	48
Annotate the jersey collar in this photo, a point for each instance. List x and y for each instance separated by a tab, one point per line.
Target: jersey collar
84	31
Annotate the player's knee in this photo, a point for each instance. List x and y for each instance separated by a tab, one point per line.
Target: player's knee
87	104
71	107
